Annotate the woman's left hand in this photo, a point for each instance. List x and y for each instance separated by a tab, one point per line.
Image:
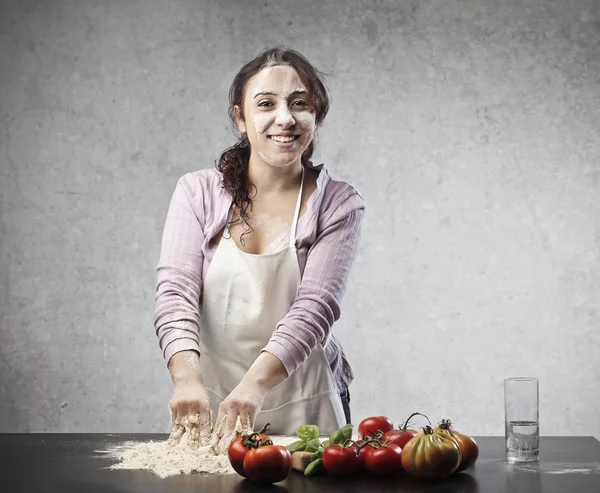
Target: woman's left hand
237	414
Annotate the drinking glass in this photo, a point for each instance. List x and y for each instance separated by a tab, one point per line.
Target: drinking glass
521	419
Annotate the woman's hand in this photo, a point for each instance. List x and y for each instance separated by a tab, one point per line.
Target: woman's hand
237	414
238	411
190	412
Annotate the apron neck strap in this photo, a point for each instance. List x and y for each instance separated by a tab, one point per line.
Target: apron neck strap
296	213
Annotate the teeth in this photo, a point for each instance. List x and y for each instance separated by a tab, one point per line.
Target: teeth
277	138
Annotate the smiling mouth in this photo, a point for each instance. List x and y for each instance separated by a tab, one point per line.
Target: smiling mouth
284	140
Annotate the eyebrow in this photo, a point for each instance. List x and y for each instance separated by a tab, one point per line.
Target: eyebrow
266	93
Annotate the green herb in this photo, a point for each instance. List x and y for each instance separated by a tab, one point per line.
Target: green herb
298	446
314	467
308	432
309	442
317	455
313	445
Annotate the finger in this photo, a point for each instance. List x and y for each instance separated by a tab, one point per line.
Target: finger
232	418
193	432
220	423
216	436
176	434
245	423
252	418
206	427
178	412
225	442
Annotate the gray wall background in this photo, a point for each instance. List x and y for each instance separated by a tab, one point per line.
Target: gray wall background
471	128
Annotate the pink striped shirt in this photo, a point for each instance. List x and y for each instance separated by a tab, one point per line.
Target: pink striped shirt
327	240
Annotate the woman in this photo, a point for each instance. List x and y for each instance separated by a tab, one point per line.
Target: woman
254	261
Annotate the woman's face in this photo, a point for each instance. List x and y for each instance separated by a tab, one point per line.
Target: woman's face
277	109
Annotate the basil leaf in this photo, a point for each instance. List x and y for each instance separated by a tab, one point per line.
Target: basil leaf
346	432
337	438
298	446
326	443
317	455
314	467
312	445
308	432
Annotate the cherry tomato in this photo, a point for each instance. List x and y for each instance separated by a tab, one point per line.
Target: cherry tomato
370	426
340	461
384	461
468	446
268	464
431	455
238	449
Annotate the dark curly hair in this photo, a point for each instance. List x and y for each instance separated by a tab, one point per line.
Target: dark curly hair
233	163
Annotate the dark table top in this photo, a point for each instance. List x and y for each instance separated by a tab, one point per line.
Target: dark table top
70	463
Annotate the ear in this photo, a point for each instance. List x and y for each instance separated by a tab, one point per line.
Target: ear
238	119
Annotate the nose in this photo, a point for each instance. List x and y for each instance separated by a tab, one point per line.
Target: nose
283	116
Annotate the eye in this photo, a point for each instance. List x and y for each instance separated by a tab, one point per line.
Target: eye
264	103
302	103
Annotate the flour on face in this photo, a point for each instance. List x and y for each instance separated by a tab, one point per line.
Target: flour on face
285	109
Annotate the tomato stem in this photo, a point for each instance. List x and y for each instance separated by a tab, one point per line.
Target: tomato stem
403	427
370	441
427	430
264	429
255	440
445	424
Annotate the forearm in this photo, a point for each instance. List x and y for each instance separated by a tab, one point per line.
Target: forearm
184	367
266	372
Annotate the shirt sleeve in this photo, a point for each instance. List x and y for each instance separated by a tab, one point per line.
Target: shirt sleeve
179	282
317	304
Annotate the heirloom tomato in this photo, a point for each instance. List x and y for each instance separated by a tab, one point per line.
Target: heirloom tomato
468	446
370	426
268	464
431	455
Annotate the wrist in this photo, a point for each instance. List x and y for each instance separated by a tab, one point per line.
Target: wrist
265	374
184	367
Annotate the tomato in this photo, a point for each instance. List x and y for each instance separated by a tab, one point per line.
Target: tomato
362	451
468	446
431	455
399	437
370	426
268	464
384	461
340	461
239	448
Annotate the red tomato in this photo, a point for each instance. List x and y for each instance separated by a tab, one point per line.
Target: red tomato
384	461
237	451
468	446
431	455
339	461
361	454
268	464
370	426
399	437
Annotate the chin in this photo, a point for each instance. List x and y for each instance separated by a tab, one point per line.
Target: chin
278	163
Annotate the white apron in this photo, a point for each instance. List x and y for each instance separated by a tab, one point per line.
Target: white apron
245	296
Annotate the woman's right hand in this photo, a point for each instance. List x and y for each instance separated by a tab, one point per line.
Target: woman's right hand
190	412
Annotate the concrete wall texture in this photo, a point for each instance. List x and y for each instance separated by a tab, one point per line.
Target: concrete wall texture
471	128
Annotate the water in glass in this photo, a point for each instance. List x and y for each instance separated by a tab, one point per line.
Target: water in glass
522	444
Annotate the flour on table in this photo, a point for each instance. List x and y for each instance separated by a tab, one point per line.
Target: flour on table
166	460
